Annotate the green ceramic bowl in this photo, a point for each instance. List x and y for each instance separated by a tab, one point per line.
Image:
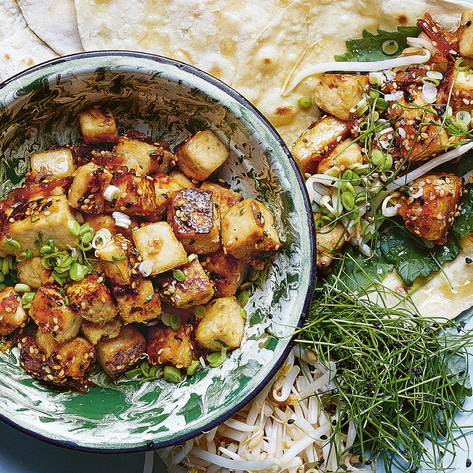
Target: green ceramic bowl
167	100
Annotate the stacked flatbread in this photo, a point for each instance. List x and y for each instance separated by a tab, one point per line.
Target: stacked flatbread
253	46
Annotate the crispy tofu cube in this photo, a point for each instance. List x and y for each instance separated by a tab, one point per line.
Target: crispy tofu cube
222	195
95	332
330	239
138	302
316	142
457	90
67	366
164	187
99	221
201	154
55	162
419	128
465	41
223	325
76	357
339	94
143	155
432	213
136	196
226	273
119	354
117	260
97	125
87	189
92	299
344	155
169	346
194	219
249	234
38	221
30	271
52	315
186	287
12	314
157	243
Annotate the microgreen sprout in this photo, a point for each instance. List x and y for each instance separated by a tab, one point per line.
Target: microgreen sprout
400	378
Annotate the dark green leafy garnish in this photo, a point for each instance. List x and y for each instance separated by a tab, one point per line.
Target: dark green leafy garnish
370	46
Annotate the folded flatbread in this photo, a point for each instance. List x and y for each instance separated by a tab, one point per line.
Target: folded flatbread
209	34
20	48
54	21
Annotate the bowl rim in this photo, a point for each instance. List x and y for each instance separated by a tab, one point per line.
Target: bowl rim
235	95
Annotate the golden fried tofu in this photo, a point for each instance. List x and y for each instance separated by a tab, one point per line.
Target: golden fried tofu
171	346
56	162
249	233
92	299
339	94
418	129
157	243
76	357
345	154
222	195
87	189
226	273
135	197
456	89
187	286
223	325
51	313
317	142
194	219
431	213
119	354
33	223
330	239
94	332
30	271
68	365
465	33
97	125
12	314
164	187
138	302
201	154
117	260
143	155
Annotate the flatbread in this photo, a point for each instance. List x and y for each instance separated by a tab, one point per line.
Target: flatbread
20	48
314	32
209	34
54	21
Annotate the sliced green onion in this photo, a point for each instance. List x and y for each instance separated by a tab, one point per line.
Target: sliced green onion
11	244
179	275
74	227
199	311
20	287
390	47
243	297
172	374
78	271
217	358
192	369
304	102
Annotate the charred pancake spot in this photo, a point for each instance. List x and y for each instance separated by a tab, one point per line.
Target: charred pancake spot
402	20
283	111
267	61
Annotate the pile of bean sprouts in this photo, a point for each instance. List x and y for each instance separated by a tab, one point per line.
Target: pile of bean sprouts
285	428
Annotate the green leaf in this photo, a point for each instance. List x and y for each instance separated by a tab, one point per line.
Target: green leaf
369	48
411	257
464	223
356	272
